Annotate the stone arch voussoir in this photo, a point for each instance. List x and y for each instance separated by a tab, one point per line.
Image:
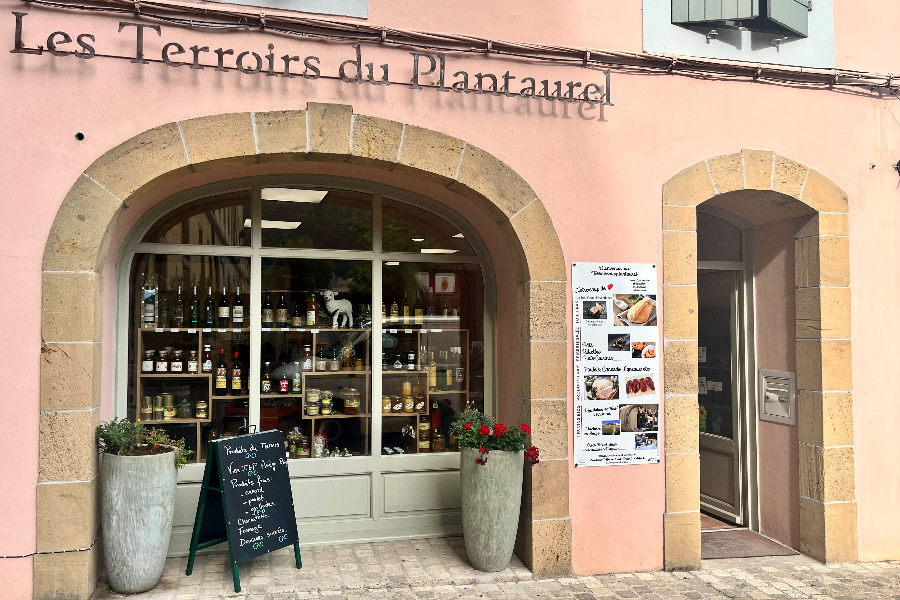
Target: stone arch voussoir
827	505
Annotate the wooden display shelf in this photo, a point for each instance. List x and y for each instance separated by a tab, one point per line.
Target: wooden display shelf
441	392
176	375
335	416
195	329
341	372
275	396
318	330
401	414
402	372
174	421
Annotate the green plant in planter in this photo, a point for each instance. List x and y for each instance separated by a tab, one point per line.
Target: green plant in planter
474	429
124	438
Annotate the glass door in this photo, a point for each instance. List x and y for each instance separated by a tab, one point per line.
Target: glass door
720	397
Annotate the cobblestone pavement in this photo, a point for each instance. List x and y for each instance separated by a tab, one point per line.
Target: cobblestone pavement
436	569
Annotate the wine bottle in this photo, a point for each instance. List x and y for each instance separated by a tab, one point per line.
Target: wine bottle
281	313
194	310
237	309
297	318
209	309
405	309
224	309
164	309
221	375
312	311
265	384
418	311
178	312
207	359
148	308
395	309
268	311
236	378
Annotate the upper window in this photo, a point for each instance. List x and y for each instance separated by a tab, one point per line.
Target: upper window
788	32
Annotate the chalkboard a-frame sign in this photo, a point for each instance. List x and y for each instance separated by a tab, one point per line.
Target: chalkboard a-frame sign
245	500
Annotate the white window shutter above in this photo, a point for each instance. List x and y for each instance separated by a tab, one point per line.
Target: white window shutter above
772	16
793	15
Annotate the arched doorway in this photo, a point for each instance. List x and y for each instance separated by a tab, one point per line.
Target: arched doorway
827	507
74	316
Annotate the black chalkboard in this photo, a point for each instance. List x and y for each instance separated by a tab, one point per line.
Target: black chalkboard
246	500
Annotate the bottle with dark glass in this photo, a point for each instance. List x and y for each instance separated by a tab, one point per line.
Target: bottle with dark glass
209	309
418	310
224	310
297	316
265	384
268	311
194	310
395	308
282	319
178	311
207	359
405	314
312	311
430	308
221	375
163	309
237	309
236	378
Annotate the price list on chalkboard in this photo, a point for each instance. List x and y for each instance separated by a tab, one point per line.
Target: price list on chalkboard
246	500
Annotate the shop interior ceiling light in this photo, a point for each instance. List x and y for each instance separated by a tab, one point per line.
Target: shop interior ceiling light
418	239
292	195
438	251
392	263
275	224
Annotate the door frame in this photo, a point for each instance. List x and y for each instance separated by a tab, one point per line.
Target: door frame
747	442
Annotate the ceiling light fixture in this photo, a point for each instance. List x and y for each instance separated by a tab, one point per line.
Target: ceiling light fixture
418	239
392	263
438	251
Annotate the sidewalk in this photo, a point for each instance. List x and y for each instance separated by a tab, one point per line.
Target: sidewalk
436	569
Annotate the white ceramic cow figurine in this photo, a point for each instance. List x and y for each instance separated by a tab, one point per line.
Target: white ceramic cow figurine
338	308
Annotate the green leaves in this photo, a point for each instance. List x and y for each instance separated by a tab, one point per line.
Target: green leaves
124	438
476	430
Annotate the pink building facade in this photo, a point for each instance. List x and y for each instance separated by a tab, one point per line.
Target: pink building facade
637	159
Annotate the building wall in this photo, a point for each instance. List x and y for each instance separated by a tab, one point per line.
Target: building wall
599	172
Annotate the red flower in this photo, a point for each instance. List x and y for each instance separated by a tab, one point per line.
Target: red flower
525	428
482	460
157	445
500	429
533	455
484	430
468	426
484	450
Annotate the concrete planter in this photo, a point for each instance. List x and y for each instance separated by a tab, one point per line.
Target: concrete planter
137	496
491	498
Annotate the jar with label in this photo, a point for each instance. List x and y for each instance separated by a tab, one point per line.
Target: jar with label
307	358
351	401
201	409
420	402
334	364
410	361
425	446
358	365
424	432
386	404
158	412
177	365
169	413
326	397
193	363
321	361
325	409
302	446
162	362
312	409
396	404
409	404
147	408
437	440
147	363
406	388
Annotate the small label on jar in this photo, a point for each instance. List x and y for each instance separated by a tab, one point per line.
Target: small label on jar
146	366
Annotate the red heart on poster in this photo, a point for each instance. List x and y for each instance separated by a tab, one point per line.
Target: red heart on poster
609	287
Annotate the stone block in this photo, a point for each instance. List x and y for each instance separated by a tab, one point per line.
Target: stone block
789	177
727	172
682	482
679	218
681	424
218	140
68	515
67	450
540	243
680	367
823	224
679	304
839	475
281	135
550	489
80	234
375	139
156	155
690	187
680	257
824	365
758	169
68	576
825	418
828	531
681	541
806	262
329	130
542	310
552	548
430	154
70	376
542	368
489	176
812	528
72	307
834	261
823	313
823	195
549	428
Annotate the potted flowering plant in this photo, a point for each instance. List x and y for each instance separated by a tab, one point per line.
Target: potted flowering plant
491	459
138	476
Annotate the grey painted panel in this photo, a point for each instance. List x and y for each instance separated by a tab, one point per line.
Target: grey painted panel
696	10
186	497
407	492
342	496
713	10
679	11
729	9
344	8
792	14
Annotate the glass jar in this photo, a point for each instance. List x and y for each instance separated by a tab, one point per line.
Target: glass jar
425	446
424	430
406	388
351	401
334	364
147	408
386	404
325	409
313	395
409	404
201	409
420	403
396	404
147	363
158	411
312	409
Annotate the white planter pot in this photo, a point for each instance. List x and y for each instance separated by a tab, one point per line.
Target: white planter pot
137	496
491	498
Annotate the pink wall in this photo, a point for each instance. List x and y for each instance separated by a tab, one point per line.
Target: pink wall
607	164
779	454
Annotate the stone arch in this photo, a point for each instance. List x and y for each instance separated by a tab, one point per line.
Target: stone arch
822	278
72	311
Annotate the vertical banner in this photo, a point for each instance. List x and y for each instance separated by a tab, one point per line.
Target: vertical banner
617	383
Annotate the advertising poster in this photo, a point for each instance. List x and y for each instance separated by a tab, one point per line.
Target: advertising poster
617	383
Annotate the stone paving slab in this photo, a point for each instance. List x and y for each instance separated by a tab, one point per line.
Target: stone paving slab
436	569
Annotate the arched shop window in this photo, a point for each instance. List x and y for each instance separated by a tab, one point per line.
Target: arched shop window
352	320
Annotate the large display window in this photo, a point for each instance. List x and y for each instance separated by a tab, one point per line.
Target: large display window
351	320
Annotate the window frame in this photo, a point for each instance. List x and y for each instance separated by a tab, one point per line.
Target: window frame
375	463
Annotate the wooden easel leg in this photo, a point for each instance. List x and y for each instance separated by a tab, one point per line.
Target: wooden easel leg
236	577
297	555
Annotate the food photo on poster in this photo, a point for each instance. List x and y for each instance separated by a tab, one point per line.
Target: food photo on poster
634	309
600	387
